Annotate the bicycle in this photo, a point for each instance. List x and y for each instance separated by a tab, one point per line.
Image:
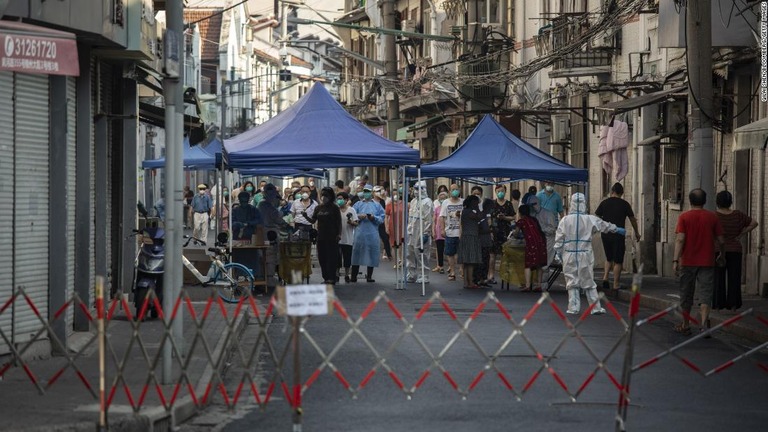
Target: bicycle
232	280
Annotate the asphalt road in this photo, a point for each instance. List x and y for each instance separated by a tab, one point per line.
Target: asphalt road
666	395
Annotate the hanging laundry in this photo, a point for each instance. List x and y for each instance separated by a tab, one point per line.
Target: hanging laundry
606	159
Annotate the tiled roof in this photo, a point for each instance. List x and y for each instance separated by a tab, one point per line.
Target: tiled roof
296	61
210	30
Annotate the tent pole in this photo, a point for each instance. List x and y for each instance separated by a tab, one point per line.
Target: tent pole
405	229
421	230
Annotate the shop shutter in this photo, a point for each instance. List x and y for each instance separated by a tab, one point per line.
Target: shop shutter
71	190
30	245
105	106
6	200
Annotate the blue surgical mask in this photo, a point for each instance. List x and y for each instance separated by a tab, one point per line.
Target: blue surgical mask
249	188
297	196
500	195
455	193
360	195
367	195
340	202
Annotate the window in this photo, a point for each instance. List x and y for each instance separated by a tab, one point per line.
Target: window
490	11
673	160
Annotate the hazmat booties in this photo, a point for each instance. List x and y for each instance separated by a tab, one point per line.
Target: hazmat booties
573	244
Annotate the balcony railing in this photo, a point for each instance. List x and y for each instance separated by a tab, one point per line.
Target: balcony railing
591	58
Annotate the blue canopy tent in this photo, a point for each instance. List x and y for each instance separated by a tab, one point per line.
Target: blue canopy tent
195	157
315	132
492	151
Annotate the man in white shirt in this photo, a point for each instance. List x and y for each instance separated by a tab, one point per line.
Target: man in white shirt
449	213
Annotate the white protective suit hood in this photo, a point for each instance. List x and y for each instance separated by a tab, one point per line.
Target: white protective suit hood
578	204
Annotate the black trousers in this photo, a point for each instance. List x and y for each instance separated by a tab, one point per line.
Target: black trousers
728	283
440	244
356	269
328	257
345	256
385	239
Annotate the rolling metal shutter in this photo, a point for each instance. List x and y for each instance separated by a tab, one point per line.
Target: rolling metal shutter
72	189
30	245
6	200
105	106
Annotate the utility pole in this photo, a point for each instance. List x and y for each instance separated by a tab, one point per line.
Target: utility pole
174	117
390	65
283	55
701	162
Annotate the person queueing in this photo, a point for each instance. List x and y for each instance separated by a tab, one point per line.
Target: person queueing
245	218
550	212
394	226
486	243
378	197
470	251
303	204
420	211
349	222
503	212
735	225
273	222
201	206
328	218
449	213
366	249
535	247
573	243
438	232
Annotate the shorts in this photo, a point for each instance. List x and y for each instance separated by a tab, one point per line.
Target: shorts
699	280
615	246
451	246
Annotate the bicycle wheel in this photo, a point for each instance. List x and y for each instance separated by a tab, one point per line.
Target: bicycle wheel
234	283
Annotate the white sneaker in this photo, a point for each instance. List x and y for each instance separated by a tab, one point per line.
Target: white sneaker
410	280
600	311
419	280
572	312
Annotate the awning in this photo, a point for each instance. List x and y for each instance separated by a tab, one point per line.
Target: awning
34	49
752	136
641	101
407	132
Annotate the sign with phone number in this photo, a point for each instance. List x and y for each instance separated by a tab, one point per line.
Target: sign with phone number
38	54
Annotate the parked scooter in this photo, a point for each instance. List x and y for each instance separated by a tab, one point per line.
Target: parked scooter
149	269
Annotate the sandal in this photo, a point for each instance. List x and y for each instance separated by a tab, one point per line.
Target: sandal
524	288
451	277
682	329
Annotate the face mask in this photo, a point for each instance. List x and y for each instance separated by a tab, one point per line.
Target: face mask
549	188
367	195
297	196
311	183
400	190
226	193
378	194
455	193
305	196
201	191
249	188
395	197
340	202
500	195
360	195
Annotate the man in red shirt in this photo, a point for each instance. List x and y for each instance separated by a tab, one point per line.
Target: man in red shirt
694	261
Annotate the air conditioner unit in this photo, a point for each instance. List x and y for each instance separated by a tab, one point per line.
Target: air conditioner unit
561	129
408	26
603	40
343	94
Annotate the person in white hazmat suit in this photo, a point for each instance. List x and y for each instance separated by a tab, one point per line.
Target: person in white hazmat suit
420	214
573	244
